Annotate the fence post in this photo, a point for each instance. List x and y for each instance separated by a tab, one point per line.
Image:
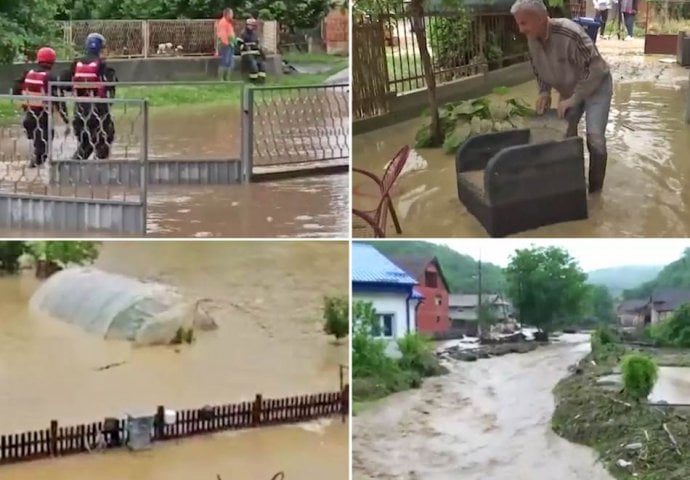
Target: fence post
345	402
256	411
144	171
53	438
687	109
247	147
159	423
145	38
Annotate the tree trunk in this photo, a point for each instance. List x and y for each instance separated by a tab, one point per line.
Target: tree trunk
46	268
417	11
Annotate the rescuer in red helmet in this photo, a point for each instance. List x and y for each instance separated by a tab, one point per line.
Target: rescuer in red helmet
34	83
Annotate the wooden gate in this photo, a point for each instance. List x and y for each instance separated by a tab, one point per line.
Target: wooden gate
369	70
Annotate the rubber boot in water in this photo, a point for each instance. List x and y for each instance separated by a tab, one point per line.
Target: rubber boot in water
597	164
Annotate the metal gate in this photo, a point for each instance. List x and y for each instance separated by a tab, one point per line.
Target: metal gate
295	128
28	197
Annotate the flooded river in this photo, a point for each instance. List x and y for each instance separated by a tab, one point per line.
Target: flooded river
266	298
485	420
646	190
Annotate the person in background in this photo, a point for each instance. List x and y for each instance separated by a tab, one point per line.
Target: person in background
35	83
226	40
564	58
252	53
602	7
629	9
93	122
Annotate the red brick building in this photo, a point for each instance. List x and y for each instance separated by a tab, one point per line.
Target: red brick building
432	313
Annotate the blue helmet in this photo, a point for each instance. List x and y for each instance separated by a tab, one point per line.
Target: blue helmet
95	43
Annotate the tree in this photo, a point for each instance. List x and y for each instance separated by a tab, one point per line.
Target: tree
486	318
9	255
545	284
25	25
601	304
336	313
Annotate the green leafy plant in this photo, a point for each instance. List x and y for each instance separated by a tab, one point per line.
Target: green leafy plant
10	252
640	373
673	331
64	253
462	120
417	355
336	313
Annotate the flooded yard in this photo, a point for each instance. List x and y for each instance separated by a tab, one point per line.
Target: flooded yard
266	299
486	419
308	206
645	192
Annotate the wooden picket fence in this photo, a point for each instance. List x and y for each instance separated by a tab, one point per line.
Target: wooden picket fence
111	433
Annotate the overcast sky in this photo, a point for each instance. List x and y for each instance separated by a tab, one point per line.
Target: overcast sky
591	253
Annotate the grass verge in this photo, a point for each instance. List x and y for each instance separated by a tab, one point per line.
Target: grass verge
621	429
173	96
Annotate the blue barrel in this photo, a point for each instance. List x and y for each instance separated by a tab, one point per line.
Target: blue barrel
590	25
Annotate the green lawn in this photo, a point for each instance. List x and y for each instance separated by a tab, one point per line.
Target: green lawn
227	94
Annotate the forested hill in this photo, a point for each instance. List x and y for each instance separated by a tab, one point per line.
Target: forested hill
459	270
618	279
674	275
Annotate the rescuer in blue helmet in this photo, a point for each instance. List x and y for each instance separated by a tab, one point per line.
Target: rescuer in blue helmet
93	123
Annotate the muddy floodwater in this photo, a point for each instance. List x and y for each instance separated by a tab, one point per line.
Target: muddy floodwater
266	298
673	385
308	206
488	419
646	190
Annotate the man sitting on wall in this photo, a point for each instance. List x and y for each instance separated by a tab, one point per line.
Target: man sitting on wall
564	58
252	53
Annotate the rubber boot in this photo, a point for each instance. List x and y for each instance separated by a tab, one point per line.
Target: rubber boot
597	164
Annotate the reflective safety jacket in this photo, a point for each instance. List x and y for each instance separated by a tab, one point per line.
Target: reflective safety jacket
249	43
88	72
35	84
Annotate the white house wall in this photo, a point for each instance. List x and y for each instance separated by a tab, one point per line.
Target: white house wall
391	303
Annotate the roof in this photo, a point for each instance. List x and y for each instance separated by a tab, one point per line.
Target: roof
415	265
471	300
631	306
371	266
669	299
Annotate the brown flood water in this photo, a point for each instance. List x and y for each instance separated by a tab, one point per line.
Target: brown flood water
489	419
310	207
266	298
646	191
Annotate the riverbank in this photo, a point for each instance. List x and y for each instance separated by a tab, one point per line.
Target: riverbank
229	94
633	440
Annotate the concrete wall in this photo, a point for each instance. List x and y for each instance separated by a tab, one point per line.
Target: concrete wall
150	69
410	105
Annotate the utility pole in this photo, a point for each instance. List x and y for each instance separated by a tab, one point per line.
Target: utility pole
479	294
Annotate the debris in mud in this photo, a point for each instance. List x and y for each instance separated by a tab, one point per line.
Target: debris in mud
630	436
109	366
486	351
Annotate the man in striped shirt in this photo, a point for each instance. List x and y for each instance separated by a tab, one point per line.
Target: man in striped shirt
564	58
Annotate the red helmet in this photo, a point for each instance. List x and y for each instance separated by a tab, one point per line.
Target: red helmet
46	55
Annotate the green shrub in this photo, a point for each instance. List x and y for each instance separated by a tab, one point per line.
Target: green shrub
640	373
336	314
9	255
417	355
673	331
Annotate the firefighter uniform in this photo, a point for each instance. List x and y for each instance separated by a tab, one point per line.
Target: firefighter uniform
252	54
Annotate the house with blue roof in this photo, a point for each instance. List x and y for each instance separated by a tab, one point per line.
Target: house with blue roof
392	292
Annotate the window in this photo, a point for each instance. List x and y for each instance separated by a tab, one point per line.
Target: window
386	321
431	279
439	300
438	319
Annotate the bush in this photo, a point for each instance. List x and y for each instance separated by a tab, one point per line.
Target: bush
640	373
9	255
417	355
336	313
673	331
64	252
606	345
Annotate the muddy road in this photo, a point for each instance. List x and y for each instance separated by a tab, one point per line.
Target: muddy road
645	192
485	420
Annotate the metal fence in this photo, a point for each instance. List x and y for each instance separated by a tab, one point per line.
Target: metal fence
176	153
29	197
295	126
160	38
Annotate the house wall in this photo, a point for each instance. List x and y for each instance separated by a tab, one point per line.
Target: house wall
631	319
395	303
432	318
